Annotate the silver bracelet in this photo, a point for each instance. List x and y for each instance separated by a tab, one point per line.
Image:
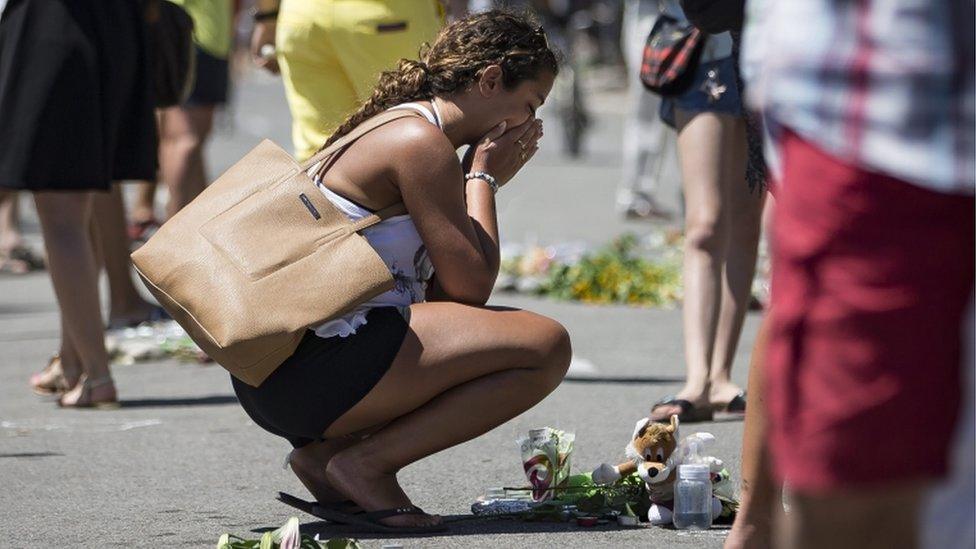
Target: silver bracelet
484	177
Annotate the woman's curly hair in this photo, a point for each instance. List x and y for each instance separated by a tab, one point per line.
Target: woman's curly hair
459	54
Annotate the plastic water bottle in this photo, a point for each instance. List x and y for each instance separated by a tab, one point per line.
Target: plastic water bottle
693	498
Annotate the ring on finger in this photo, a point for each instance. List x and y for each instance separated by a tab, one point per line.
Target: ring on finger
524	156
521	144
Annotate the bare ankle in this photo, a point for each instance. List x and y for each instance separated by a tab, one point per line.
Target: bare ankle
695	392
359	461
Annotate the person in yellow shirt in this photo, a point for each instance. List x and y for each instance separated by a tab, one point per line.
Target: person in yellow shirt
331	52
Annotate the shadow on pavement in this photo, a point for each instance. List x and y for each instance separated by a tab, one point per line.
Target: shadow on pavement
31	455
464	525
460	525
622	380
210	400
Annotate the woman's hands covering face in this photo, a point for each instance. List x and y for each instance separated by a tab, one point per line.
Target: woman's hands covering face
502	153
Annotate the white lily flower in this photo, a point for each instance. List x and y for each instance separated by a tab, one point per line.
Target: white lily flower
289	536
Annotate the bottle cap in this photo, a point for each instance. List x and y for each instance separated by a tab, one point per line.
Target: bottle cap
693	471
540	434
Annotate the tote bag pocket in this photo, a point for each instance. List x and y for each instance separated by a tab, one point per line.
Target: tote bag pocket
274	227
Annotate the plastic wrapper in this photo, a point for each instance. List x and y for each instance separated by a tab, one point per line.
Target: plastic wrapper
546	456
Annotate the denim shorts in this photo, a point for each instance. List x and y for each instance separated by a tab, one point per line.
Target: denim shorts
713	89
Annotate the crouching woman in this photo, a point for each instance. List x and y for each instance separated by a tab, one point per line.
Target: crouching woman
426	365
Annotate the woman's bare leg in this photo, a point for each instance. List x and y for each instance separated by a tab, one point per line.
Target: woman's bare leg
143	208
460	372
10	236
184	132
112	242
739	267
752	528
701	141
65	219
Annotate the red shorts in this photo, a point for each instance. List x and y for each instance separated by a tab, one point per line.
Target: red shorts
871	279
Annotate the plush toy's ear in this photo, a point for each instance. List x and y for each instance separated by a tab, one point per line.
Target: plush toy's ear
639	428
673	428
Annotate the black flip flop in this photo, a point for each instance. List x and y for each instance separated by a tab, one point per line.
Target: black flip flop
736	408
347	506
689	412
367	521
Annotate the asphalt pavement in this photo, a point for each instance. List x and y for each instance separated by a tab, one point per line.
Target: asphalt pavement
180	463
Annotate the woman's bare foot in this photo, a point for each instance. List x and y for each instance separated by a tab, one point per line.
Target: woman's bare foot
91	393
374	489
700	409
309	463
54	378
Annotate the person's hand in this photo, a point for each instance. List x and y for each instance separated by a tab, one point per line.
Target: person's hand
263	36
502	153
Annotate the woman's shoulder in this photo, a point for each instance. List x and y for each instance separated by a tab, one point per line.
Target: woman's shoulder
415	138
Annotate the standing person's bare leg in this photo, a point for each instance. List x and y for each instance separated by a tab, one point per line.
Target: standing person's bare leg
10	236
753	524
15	256
126	303
460	372
743	224
700	142
143	209
65	219
183	135
881	518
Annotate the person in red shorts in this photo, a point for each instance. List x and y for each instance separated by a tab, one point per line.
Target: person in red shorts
873	257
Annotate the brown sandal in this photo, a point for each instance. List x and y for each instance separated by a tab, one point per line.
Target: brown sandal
50	380
85	400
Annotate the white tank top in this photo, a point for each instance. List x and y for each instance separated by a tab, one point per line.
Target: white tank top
397	242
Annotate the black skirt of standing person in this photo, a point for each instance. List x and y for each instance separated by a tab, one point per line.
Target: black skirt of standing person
76	100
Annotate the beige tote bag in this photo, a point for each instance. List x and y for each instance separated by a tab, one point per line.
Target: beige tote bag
261	255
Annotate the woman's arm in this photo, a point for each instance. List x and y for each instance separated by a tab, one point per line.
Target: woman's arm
263	34
481	210
480	201
456	219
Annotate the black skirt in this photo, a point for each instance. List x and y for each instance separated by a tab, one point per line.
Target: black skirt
76	103
324	378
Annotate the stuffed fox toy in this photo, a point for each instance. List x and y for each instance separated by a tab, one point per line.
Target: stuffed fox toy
654	454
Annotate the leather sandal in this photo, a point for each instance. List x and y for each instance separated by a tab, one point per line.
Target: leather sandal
85	400
50	380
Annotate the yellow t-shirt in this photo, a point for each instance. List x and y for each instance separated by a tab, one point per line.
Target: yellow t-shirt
211	24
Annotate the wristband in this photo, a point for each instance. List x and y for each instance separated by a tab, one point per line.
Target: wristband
484	177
